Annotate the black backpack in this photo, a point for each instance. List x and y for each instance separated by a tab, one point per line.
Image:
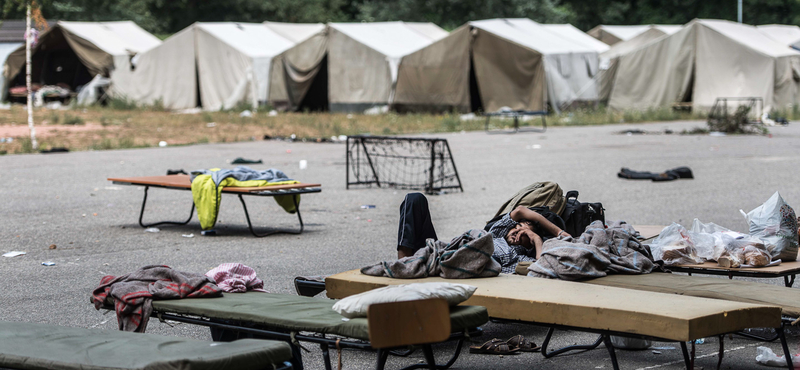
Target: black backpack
578	215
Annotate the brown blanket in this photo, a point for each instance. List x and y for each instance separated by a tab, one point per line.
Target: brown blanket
133	294
597	252
466	256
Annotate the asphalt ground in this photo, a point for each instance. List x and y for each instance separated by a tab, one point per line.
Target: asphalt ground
65	199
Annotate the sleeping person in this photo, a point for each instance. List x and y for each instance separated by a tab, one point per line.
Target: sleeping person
517	236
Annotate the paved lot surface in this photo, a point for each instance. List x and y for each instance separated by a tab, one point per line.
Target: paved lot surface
64	199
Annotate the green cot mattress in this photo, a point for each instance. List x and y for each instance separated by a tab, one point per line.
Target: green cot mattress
286	312
37	346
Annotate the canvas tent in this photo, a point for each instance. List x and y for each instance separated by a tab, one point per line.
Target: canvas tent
569	31
71	54
363	60
608	60
490	64
215	65
705	60
614	34
299	75
785	34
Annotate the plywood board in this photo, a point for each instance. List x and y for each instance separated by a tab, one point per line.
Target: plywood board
557	302
184	182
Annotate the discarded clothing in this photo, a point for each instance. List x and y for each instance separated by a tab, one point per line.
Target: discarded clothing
207	188
133	294
236	278
241	160
466	256
596	253
669	175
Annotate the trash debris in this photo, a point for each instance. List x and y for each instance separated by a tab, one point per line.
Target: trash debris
58	149
211	124
668	175
53	246
49	263
717	133
246	113
468	117
700	341
188	235
368	206
14	254
303	164
289	151
162	143
662	348
176	172
241	160
208	233
342	137
656	352
152	230
765	356
377	110
349	116
272	113
293	136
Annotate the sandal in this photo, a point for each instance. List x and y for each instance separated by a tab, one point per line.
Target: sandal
493	347
519	342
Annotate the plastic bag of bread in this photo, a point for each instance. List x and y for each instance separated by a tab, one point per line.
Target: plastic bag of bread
674	246
746	251
775	223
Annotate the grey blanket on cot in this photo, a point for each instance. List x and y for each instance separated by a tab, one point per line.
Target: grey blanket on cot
599	251
466	256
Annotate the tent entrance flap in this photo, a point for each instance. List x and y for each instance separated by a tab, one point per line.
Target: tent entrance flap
475	102
315	96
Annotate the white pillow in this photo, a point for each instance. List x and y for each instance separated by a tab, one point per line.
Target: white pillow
356	305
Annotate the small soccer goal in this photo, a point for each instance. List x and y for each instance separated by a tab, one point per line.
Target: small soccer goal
401	162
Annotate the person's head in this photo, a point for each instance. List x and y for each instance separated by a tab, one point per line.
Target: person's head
519	235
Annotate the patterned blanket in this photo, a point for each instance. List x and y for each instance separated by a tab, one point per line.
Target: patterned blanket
599	251
466	256
133	294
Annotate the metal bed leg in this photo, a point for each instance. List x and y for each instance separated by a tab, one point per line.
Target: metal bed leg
787	281
686	360
721	351
431	361
383	355
568	348
297	357
611	353
141	214
250	224
428	351
786	354
326	355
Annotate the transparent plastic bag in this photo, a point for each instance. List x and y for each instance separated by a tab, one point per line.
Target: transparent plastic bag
775	223
675	246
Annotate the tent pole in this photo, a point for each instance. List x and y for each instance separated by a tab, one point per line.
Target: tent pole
28	41
739	13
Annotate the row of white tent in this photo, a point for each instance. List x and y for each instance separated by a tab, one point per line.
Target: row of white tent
488	64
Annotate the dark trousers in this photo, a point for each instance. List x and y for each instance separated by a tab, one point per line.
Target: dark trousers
415	222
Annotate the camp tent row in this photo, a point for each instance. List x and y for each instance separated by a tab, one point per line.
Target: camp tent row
351	67
483	65
612	35
705	60
72	54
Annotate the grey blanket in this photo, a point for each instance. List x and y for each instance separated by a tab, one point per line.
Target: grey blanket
243	173
596	253
466	256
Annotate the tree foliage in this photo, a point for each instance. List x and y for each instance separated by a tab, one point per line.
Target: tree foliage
170	16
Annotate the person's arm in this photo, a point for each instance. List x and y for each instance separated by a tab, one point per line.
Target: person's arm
523	213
